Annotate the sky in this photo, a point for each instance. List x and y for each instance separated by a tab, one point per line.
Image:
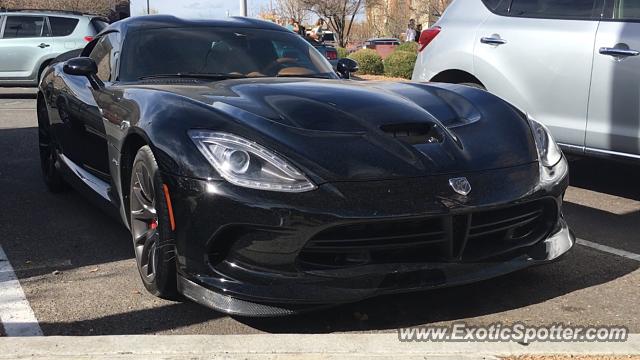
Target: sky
197	8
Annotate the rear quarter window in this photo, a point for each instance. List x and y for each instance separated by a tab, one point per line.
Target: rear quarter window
625	10
61	26
98	25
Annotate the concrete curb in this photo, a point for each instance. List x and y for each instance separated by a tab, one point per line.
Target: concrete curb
290	346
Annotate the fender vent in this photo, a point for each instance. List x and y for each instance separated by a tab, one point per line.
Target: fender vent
414	134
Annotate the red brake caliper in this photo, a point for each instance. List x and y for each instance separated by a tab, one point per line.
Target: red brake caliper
153	224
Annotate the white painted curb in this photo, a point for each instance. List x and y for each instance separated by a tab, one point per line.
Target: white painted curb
290	346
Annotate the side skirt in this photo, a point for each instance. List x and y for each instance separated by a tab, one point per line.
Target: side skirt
89	185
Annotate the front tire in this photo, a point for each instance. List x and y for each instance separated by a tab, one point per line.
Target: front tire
48	153
150	227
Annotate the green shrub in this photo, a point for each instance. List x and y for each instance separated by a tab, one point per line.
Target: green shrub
400	64
408	46
369	61
342	52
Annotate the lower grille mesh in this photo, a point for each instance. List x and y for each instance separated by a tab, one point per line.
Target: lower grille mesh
478	236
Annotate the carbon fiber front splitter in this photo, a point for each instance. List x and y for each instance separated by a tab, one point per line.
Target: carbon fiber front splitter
553	248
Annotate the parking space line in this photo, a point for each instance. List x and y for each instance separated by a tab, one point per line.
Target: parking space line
609	249
16	314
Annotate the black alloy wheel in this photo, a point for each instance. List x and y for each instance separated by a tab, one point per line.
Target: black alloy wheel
150	227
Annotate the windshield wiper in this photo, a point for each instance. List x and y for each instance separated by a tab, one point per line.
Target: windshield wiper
187	75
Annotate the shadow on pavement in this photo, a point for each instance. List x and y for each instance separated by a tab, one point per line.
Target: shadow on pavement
145	321
580	269
606	176
18	95
50	231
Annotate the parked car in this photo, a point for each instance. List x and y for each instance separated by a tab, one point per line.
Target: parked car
261	185
29	40
329	38
383	46
328	51
572	65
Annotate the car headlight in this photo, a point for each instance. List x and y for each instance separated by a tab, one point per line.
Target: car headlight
548	150
244	163
553	165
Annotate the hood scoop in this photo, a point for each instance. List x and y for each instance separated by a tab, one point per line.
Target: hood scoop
414	134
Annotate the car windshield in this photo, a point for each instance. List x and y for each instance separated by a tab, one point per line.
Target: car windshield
218	52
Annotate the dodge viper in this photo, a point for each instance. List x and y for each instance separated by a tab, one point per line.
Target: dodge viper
258	181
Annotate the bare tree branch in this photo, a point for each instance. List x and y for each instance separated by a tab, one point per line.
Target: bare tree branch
340	14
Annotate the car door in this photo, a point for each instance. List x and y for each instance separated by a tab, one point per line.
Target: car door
80	105
96	157
24	45
538	54
614	109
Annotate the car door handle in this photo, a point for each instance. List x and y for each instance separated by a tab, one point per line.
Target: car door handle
43	45
618	52
492	40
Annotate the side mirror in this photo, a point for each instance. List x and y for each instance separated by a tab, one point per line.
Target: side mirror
80	66
346	66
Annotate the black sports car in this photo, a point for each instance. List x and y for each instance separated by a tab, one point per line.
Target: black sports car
258	181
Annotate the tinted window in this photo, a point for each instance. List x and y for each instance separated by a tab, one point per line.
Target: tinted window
497	6
563	9
626	10
62	26
101	54
233	52
23	27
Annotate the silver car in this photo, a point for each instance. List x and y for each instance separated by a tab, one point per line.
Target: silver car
571	64
30	40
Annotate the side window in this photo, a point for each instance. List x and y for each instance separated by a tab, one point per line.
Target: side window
626	10
24	27
101	54
556	9
61	26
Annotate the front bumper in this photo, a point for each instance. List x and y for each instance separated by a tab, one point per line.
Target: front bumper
246	251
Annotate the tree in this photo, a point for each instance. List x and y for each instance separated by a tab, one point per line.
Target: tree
389	18
340	14
291	9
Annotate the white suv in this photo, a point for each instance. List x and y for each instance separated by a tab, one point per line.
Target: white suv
571	64
29	40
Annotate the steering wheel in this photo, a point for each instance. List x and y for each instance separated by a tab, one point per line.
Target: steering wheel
275	66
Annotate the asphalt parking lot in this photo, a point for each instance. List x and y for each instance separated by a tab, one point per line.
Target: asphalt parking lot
76	267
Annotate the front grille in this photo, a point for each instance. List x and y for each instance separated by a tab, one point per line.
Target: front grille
375	242
478	236
493	233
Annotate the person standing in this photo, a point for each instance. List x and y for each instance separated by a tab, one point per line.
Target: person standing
418	32
302	31
291	25
318	31
410	34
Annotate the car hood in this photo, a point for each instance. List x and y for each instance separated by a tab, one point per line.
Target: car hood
339	130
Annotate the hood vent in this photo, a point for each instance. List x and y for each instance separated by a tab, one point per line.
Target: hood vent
419	133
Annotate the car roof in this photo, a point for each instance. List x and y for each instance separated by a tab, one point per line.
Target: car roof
64	13
169	21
